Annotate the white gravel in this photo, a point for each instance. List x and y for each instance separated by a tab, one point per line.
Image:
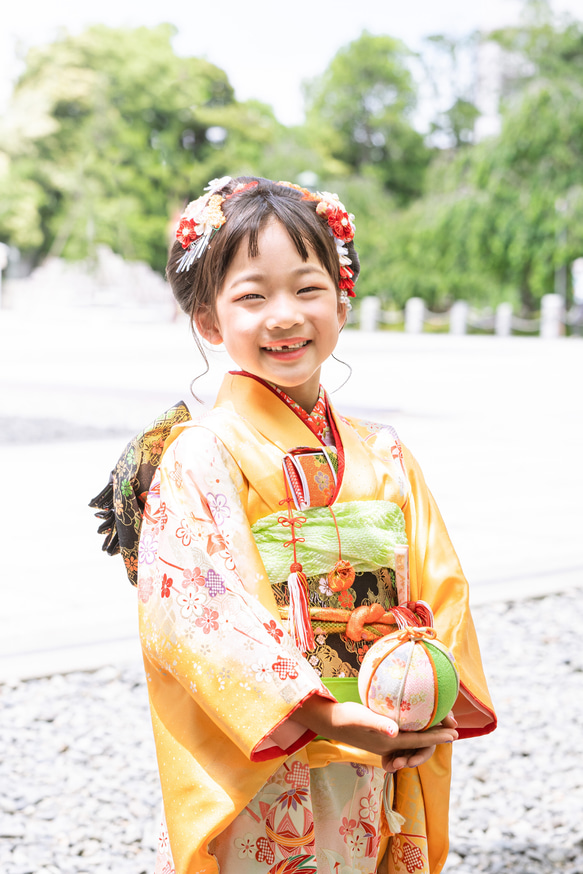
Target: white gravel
79	788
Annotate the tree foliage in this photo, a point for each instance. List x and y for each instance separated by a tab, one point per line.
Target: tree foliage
106	134
498	219
109	131
360	111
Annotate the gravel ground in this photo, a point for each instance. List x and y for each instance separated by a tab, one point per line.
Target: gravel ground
79	788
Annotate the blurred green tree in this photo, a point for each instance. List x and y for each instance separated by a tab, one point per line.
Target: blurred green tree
359	112
450	67
500	218
107	132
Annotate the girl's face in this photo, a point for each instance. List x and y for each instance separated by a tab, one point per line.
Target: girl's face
278	316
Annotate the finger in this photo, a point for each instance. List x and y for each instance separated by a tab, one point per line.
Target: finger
450	721
399	762
413	740
407	759
419	757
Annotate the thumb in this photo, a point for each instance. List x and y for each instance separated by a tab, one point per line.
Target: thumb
384	724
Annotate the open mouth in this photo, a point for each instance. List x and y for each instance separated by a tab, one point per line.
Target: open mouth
287	348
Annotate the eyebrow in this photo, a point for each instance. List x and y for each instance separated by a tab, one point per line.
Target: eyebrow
258	277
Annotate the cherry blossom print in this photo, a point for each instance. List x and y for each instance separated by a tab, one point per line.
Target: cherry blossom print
322	480
263	672
145	589
347	827
163	842
147	549
166	586
346	599
227	621
193	577
356	842
219	507
368	807
274	630
222	677
192	602
246	846
184	533
324	588
208	621
215	583
131	563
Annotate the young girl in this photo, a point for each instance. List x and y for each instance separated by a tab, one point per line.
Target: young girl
274	531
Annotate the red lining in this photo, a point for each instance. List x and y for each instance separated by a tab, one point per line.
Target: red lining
482	729
308	735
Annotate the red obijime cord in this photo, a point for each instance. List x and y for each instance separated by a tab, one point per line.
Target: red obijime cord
300	626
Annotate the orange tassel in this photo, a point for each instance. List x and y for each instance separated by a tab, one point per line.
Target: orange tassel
300	626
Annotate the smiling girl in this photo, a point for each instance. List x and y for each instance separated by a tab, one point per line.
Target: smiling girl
270	522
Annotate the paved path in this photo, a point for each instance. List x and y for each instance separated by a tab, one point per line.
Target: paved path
496	423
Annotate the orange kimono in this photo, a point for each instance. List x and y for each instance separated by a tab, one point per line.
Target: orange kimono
224	677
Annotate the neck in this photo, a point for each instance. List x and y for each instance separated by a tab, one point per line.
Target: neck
306	395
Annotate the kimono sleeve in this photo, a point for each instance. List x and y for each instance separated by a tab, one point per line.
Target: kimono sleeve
198	620
437	577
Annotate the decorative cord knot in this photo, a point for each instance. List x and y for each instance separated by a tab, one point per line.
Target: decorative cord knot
417	633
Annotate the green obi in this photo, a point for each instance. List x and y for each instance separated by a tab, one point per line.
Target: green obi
369	532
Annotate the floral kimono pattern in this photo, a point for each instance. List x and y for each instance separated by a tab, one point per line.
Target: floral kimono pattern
246	788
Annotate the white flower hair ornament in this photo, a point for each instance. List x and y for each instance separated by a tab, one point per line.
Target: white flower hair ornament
201	219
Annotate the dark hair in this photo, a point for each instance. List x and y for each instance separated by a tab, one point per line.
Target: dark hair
246	214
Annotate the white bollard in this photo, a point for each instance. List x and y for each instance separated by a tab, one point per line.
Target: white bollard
458	317
552	316
4	251
370	313
414	315
503	320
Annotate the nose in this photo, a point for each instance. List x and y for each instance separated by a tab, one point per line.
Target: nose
284	312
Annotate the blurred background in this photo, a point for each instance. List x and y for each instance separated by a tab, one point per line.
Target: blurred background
453	132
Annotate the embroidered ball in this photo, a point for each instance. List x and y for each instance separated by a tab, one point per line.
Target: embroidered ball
411	677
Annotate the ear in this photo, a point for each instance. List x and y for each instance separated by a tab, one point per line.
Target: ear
208	327
342	311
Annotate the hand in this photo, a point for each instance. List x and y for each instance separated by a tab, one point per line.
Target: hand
412	758
358	726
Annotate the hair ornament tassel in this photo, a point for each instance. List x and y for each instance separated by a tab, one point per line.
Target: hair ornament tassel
199	222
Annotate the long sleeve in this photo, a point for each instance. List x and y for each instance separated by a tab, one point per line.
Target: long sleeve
437	577
198	620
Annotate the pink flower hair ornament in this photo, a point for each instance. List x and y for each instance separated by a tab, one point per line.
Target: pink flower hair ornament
203	217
